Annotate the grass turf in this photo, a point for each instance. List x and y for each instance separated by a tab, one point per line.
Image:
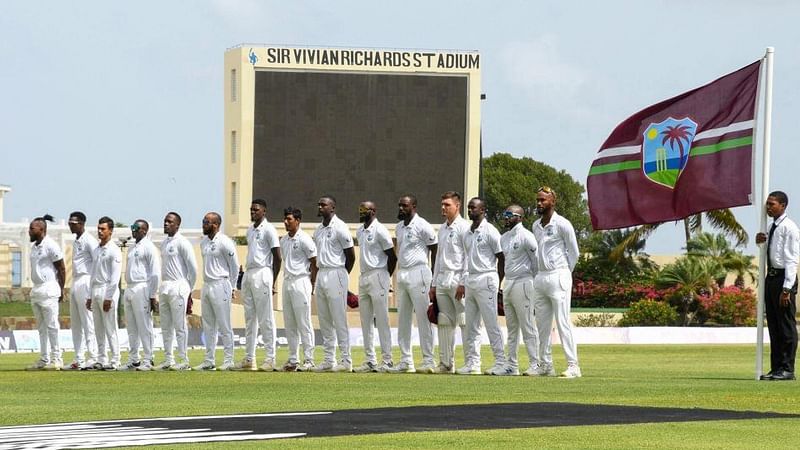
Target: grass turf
687	376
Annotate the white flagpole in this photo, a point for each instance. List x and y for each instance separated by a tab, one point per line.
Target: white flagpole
762	261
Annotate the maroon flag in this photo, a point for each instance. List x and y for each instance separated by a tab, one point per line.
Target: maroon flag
685	155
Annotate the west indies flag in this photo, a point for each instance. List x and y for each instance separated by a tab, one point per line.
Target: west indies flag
682	156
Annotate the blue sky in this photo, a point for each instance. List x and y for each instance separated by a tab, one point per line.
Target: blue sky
116	108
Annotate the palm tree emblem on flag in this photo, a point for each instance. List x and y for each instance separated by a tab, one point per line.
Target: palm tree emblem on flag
665	149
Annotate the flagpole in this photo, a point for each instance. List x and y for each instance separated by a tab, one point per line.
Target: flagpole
762	260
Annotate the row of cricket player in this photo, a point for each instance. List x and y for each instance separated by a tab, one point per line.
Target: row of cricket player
452	279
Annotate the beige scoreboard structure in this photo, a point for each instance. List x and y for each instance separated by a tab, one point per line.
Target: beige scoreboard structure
355	124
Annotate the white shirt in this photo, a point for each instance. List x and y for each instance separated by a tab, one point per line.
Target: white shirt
413	241
260	242
220	261
558	246
107	268
82	250
519	248
482	246
784	250
331	242
450	256
178	261
43	255
372	245
143	266
297	252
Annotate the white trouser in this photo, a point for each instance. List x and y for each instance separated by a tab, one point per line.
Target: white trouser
481	304
215	299
373	304
258	314
518	306
81	320
105	323
552	292
413	285
451	314
297	316
44	302
172	308
139	322
331	291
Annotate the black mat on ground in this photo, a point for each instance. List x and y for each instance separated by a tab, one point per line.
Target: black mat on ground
350	422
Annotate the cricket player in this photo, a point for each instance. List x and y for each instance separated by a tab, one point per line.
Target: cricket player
378	262
81	320
485	270
258	286
299	274
416	243
220	269
104	295
552	287
47	273
178	276
142	275
335	259
447	289
519	248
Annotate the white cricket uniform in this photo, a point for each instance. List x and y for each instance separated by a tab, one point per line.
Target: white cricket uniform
413	284
448	274
331	288
257	289
81	320
44	296
552	287
373	288
220	269
178	276
106	273
482	281
297	252
142	273
519	249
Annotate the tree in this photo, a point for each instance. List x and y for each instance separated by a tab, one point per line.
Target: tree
508	180
597	264
717	248
691	277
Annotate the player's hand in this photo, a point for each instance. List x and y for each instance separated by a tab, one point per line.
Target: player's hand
106	305
89	304
432	294
154	305
459	292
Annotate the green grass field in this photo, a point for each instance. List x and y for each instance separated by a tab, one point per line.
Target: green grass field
686	376
668	177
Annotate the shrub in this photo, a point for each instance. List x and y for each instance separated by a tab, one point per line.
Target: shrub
731	305
649	313
593	294
596	320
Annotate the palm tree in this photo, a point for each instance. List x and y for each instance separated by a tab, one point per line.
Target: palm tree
721	219
677	134
717	248
691	277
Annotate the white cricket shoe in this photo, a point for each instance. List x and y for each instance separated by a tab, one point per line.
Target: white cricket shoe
366	367
289	367
307	366
55	364
427	367
403	367
38	365
166	365
573	371
145	367
469	369
343	366
505	371
206	365
444	368
268	365
326	366
246	364
227	365
181	367
385	367
131	365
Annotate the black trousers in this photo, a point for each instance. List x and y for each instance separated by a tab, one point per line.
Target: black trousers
781	323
